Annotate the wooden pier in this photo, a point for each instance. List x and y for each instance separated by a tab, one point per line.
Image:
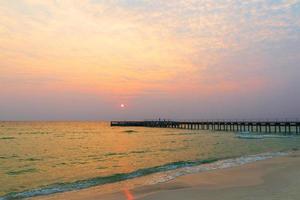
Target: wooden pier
287	127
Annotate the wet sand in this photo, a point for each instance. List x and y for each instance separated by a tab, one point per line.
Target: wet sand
276	178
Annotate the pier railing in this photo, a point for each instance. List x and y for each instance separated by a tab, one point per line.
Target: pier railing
286	127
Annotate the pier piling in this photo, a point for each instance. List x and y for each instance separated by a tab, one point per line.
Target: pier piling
288	127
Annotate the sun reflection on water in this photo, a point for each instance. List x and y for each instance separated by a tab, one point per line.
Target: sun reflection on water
128	194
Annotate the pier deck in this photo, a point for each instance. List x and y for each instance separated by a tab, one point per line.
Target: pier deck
287	127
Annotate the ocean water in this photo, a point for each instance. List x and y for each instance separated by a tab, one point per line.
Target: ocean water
39	158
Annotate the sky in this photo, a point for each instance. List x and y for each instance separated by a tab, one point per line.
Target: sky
173	59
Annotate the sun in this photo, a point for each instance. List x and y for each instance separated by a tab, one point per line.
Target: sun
122	105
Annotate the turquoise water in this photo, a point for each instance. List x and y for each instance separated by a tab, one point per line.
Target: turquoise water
38	158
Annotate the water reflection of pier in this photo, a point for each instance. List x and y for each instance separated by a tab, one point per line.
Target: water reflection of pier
286	127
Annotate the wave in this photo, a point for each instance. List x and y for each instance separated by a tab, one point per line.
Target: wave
220	164
255	136
168	172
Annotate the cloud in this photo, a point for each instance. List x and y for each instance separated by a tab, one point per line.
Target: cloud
125	49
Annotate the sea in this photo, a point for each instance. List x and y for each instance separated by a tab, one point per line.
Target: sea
43	158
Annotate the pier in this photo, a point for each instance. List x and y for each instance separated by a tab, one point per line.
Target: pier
284	127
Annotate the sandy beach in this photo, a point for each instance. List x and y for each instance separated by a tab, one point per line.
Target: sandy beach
276	178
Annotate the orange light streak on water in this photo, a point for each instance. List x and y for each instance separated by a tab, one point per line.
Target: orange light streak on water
128	194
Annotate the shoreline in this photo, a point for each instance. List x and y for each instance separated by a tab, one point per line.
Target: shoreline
195	183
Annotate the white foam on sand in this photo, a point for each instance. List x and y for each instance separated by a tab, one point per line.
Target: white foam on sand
221	164
256	136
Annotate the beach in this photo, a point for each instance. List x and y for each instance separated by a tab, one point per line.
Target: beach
73	156
149	100
91	160
275	178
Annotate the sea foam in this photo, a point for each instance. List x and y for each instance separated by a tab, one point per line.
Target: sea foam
220	164
158	174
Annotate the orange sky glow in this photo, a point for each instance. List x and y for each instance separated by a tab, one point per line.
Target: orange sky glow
156	56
